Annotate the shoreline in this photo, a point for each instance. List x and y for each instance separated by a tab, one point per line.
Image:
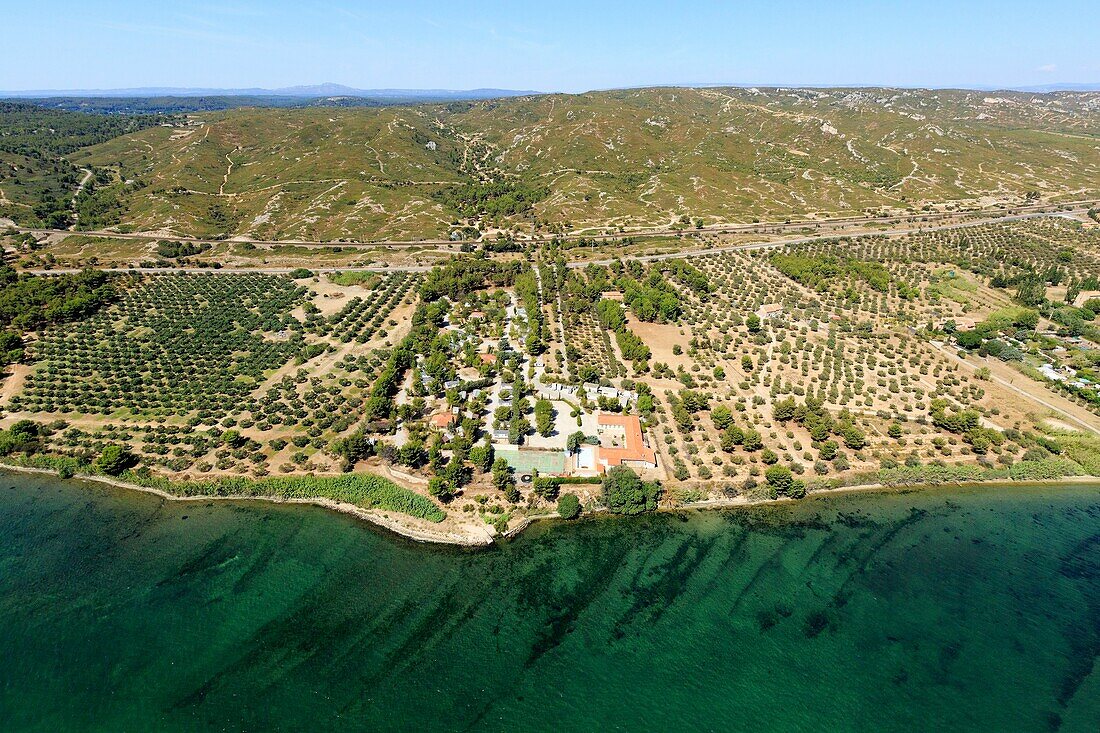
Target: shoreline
417	534
737	502
375	517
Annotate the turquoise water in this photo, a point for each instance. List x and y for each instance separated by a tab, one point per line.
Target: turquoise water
960	610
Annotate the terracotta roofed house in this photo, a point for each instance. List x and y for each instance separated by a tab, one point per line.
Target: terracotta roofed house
633	452
442	420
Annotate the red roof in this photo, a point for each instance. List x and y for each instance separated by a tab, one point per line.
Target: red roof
442	419
635	449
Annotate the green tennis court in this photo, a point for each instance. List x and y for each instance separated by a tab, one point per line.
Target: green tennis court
526	461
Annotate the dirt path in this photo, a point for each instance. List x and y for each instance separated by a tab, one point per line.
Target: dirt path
1005	376
924	223
76	194
14	382
5	201
225	177
83	182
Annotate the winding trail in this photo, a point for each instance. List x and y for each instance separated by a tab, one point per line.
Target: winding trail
76	194
225	177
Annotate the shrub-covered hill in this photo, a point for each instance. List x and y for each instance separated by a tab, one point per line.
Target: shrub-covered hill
37	182
631	158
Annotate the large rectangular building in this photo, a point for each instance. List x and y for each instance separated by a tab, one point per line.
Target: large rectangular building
627	430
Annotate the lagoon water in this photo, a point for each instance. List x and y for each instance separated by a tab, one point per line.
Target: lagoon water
940	610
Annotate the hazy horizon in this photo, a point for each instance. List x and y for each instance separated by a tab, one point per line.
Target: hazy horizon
570	47
315	90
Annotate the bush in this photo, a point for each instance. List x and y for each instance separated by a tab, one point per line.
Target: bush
569	506
114	460
625	493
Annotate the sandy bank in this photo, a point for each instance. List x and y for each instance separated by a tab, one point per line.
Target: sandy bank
407	527
476	536
743	501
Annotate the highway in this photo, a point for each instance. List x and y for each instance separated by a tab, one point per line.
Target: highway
924	219
698	252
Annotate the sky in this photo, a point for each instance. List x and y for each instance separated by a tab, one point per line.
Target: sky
555	45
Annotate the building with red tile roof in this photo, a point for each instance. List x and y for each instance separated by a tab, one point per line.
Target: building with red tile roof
442	420
633	452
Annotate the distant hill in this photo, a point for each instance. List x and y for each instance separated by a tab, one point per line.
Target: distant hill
614	160
327	89
1060	88
157	100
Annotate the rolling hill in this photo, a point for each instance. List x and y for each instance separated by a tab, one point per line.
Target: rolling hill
589	162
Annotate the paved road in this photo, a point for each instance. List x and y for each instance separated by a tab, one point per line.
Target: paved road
578	264
817	238
755	228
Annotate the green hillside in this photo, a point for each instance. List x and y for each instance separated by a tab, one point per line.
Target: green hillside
630	158
37	183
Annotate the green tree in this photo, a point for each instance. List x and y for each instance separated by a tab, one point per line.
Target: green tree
569	506
730	437
784	410
481	455
114	460
722	417
439	488
544	417
412	454
625	493
752	441
610	314
502	475
854	438
969	339
1031	291
780	478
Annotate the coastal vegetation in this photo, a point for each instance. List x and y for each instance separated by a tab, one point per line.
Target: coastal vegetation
486	376
19	445
569	506
625	493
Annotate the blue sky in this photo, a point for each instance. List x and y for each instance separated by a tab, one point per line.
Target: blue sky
547	46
